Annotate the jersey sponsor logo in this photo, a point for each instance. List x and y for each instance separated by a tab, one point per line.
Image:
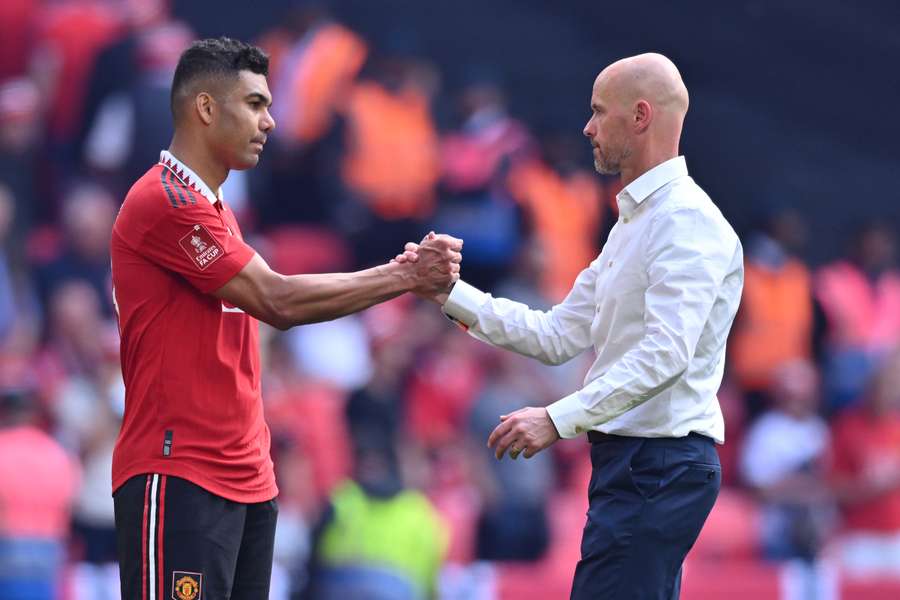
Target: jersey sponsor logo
201	247
186	585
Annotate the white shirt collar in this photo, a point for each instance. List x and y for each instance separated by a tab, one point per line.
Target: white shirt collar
640	189
188	177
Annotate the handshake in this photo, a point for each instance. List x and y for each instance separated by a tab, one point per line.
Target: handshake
432	265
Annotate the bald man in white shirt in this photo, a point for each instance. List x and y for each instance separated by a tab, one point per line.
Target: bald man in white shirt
656	305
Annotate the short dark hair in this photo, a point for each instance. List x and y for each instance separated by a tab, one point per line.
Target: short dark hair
220	57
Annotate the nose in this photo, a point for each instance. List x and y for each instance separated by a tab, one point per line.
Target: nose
268	123
588	130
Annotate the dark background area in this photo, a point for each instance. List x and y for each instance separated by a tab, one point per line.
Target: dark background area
792	103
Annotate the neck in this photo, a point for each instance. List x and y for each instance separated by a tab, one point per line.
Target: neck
644	159
199	160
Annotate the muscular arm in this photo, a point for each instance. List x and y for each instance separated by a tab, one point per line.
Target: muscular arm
284	301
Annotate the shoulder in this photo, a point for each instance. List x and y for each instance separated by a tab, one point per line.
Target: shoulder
687	205
159	197
148	196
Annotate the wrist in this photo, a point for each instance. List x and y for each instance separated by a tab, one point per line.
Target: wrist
401	275
552	424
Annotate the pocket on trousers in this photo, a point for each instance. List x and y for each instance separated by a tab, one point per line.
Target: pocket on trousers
699	473
647	469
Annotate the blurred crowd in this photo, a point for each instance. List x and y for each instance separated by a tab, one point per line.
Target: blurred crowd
379	421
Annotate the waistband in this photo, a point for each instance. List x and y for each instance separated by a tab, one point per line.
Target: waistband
598	437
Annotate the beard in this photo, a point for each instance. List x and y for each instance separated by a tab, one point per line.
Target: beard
609	163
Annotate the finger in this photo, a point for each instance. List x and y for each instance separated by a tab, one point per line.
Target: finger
515	412
455	257
454	278
450	242
411	256
411	247
454	268
499	431
506	442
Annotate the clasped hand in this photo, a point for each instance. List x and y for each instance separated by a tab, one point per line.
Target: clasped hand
435	262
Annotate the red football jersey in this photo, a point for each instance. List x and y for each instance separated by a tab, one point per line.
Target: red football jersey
193	407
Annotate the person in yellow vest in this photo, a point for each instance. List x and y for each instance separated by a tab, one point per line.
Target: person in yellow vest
377	540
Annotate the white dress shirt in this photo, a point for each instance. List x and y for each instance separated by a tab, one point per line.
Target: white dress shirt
657	305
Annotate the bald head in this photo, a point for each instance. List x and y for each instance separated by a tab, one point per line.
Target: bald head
650	77
638	105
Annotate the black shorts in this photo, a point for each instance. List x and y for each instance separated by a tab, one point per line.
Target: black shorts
177	541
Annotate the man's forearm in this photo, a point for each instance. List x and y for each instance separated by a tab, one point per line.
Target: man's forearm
313	298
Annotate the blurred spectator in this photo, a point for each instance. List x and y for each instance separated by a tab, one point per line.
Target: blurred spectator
313	62
333	351
475	160
774	324
93	521
20	134
783	461
306	417
298	508
79	352
376	407
15	26
513	523
866	477
70	35
437	404
37	483
9	286
377	541
564	204
390	166
88	213
127	117
860	299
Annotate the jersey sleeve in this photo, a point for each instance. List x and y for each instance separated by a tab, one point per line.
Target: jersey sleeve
194	242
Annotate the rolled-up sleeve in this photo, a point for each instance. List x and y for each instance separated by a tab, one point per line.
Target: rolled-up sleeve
686	262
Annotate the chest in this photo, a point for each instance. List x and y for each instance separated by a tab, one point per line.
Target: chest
621	267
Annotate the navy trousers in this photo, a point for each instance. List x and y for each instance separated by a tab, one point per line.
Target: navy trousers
649	498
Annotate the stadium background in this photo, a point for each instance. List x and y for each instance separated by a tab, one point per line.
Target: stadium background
396	117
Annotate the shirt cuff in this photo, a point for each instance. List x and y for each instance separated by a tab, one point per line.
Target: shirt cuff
463	304
568	416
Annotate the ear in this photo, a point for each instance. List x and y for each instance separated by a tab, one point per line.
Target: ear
643	115
204	105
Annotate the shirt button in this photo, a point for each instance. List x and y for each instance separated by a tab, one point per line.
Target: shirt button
625	219
609	264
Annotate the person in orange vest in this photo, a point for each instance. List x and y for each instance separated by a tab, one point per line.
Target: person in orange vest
565	208
314	61
391	159
774	325
859	297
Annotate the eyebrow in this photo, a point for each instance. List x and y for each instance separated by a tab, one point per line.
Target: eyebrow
261	97
595	106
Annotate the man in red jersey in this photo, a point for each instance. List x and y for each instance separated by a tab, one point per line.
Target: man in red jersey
192	478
